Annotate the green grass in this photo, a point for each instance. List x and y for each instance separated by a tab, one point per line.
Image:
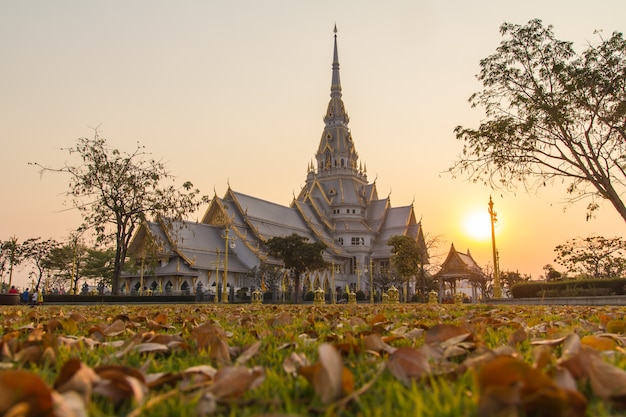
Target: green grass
450	389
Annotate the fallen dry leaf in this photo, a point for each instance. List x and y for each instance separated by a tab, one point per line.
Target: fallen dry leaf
233	381
76	377
408	364
508	385
24	394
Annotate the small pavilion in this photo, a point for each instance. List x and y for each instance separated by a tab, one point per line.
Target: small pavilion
459	271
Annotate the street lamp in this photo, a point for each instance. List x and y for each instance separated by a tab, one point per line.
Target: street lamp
332	291
217	276
497	291
226	246
371	282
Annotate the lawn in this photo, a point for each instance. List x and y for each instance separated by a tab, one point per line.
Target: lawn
286	360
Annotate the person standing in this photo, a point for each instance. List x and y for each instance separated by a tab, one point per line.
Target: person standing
25	296
35	297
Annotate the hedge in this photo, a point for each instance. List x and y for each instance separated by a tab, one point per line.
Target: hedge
569	288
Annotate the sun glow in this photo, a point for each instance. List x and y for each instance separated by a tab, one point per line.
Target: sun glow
477	225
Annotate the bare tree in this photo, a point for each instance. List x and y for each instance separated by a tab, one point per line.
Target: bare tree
116	191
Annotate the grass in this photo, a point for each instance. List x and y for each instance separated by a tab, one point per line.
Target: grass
448	389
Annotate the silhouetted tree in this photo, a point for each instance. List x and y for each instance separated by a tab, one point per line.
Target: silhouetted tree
551	115
594	256
297	255
116	191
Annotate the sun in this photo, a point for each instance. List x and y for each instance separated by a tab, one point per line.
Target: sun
477	225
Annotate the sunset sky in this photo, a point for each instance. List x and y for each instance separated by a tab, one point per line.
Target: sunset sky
233	92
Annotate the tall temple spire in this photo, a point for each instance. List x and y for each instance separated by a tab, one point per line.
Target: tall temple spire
336	151
335	87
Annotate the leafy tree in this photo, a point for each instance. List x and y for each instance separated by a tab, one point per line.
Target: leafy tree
116	191
269	276
38	252
383	280
409	258
551	273
66	262
11	255
510	278
99	265
298	255
594	256
552	114
483	281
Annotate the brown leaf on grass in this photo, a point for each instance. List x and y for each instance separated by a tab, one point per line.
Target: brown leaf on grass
249	353
408	364
331	382
607	381
330	379
542	356
160	318
357	322
114	329
294	362
197	375
598	342
77	377
279	320
441	333
508	385
69	404
373	342
212	338
517	337
151	347
24	394
120	384
232	382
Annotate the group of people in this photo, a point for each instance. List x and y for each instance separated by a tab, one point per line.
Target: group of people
27	298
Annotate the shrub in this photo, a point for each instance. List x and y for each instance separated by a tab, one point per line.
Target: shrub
309	296
570	288
360	295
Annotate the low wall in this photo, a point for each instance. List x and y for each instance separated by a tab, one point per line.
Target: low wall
613	300
116	299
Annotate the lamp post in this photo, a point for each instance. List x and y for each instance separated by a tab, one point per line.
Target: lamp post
217	276
225	280
371	282
358	276
332	291
497	291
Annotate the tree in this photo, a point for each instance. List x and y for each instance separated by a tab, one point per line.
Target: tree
298	255
12	253
482	281
99	264
383	280
38	252
551	273
408	258
66	262
116	191
594	256
510	278
552	115
268	276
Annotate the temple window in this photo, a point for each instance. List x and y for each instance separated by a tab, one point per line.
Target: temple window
357	241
